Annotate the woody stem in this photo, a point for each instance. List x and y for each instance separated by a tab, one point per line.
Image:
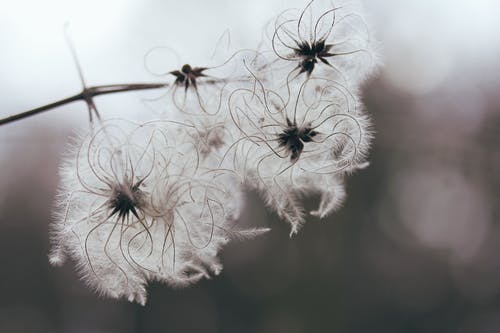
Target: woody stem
86	95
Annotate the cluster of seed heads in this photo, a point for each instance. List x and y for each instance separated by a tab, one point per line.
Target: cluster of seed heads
157	200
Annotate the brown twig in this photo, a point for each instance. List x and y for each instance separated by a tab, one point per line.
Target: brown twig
87	94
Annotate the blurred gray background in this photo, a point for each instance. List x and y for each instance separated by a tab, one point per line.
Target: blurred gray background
414	249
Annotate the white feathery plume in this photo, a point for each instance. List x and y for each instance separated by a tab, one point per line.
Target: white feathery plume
157	201
200	90
330	39
305	142
133	208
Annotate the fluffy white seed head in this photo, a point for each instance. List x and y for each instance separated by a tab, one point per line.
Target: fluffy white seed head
133	208
157	201
293	137
330	39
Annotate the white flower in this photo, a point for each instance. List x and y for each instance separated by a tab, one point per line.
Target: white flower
157	201
328	39
299	144
134	208
201	89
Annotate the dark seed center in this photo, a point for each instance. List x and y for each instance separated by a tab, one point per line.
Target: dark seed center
186	69
308	50
293	138
126	199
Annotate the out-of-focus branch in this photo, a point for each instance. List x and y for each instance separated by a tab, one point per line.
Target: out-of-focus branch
86	95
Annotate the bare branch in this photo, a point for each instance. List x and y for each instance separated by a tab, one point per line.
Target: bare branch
86	95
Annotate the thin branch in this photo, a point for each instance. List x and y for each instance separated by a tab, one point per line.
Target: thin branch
86	95
74	55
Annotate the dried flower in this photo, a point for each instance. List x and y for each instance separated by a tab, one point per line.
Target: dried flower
201	90
304	143
133	208
157	201
329	40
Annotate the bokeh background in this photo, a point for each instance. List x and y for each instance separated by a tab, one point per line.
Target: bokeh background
414	249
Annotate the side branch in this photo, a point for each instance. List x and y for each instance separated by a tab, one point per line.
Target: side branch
86	95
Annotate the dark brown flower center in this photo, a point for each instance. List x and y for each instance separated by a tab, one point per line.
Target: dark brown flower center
126	198
310	53
293	138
